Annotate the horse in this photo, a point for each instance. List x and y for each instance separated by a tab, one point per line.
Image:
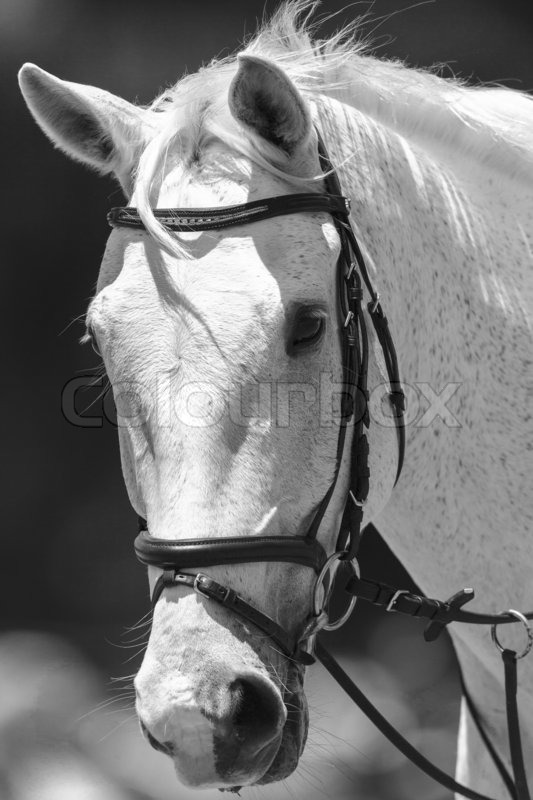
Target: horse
222	347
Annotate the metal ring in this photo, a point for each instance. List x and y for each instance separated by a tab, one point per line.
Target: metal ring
521	618
318	606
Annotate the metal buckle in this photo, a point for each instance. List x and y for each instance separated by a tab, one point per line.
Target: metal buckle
318	606
355	501
196	585
214	594
525	622
375	304
395	597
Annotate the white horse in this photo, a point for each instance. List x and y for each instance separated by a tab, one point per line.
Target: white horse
193	327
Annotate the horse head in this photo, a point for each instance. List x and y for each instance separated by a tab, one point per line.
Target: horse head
223	351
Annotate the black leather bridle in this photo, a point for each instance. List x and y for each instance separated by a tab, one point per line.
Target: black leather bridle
176	555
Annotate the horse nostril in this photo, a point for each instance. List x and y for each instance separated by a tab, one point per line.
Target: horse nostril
258	711
165	747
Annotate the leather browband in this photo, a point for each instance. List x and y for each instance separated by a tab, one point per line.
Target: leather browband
185	553
208	219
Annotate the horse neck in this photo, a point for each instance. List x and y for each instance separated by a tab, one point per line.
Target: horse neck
449	255
435	244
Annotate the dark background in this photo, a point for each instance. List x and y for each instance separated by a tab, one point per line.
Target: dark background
68	575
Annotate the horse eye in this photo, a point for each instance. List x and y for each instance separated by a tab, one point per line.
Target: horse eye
308	330
91	339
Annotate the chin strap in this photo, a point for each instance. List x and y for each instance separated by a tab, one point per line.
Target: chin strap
212	590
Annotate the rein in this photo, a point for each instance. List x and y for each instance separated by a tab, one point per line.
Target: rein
174	556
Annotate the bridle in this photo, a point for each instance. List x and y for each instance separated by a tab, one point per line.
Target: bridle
175	556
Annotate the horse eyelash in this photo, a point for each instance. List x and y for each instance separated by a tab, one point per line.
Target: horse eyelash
89	338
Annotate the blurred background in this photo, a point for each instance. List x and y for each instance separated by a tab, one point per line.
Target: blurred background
69	581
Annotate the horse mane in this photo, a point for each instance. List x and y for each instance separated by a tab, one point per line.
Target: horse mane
493	126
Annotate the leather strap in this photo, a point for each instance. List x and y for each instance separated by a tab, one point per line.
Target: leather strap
513	726
414	605
185	553
396	394
441	614
389	731
212	590
518	789
498	762
208	219
355	363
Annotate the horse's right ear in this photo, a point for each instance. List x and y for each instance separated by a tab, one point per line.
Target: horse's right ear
262	97
88	124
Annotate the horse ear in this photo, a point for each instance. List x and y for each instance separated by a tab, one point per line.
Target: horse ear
88	124
263	98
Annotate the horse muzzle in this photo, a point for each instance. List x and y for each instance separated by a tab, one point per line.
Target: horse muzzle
236	731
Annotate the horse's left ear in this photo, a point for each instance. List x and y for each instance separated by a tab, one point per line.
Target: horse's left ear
89	124
263	98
